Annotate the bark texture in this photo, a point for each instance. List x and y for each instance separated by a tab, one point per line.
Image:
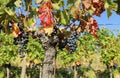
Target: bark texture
23	72
8	72
48	44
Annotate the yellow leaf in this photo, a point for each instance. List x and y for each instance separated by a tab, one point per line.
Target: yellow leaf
28	64
36	61
48	30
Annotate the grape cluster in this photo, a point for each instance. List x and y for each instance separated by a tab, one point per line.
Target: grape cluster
22	40
71	41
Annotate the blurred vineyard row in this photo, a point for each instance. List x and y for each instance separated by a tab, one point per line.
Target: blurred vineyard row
93	58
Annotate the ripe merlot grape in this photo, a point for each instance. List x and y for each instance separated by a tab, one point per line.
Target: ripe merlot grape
71	41
22	41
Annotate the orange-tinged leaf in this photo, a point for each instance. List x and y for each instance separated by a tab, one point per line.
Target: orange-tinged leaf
92	27
73	64
87	4
111	63
78	63
36	61
28	64
95	1
15	30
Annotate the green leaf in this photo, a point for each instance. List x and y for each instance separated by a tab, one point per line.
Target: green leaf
29	22
70	1
77	3
118	6
109	12
106	5
63	21
18	3
55	6
64	17
9	12
114	6
4	2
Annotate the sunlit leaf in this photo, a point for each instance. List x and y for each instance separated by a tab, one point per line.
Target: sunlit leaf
87	4
55	6
18	3
15	30
10	12
64	17
38	1
106	5
48	30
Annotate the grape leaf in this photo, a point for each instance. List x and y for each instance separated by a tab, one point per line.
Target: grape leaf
15	30
48	30
45	14
87	4
64	17
55	6
109	12
9	12
106	5
18	3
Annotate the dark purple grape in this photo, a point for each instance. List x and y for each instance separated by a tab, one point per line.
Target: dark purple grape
71	41
22	40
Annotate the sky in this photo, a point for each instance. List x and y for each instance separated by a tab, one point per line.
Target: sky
112	23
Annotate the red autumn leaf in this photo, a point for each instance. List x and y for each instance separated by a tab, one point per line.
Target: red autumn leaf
45	14
87	4
98	7
92	27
